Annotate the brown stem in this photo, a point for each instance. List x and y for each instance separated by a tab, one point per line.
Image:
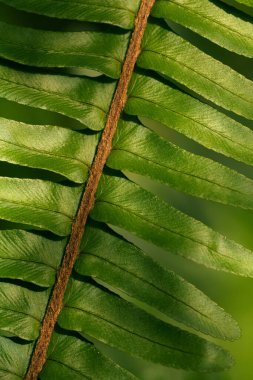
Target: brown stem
56	301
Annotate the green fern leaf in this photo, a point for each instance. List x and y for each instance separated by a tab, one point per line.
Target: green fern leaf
69	280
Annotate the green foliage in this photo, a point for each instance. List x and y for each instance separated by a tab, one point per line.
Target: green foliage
198	121
210	21
92	49
117	294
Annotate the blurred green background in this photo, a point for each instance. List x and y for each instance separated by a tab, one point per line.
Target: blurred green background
234	294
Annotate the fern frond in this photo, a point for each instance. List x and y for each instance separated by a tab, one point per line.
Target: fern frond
50	315
210	21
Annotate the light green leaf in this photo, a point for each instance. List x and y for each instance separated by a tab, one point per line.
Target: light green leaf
124	204
42	204
153	99
117	296
21	311
29	257
97	50
109	319
210	21
14	359
115	12
55	149
172	56
79	98
141	151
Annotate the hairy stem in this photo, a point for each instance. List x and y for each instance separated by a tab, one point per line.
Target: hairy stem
56	301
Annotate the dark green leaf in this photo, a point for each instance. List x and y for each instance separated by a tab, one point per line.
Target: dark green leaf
85	362
243	5
127	270
95	50
109	319
115	12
